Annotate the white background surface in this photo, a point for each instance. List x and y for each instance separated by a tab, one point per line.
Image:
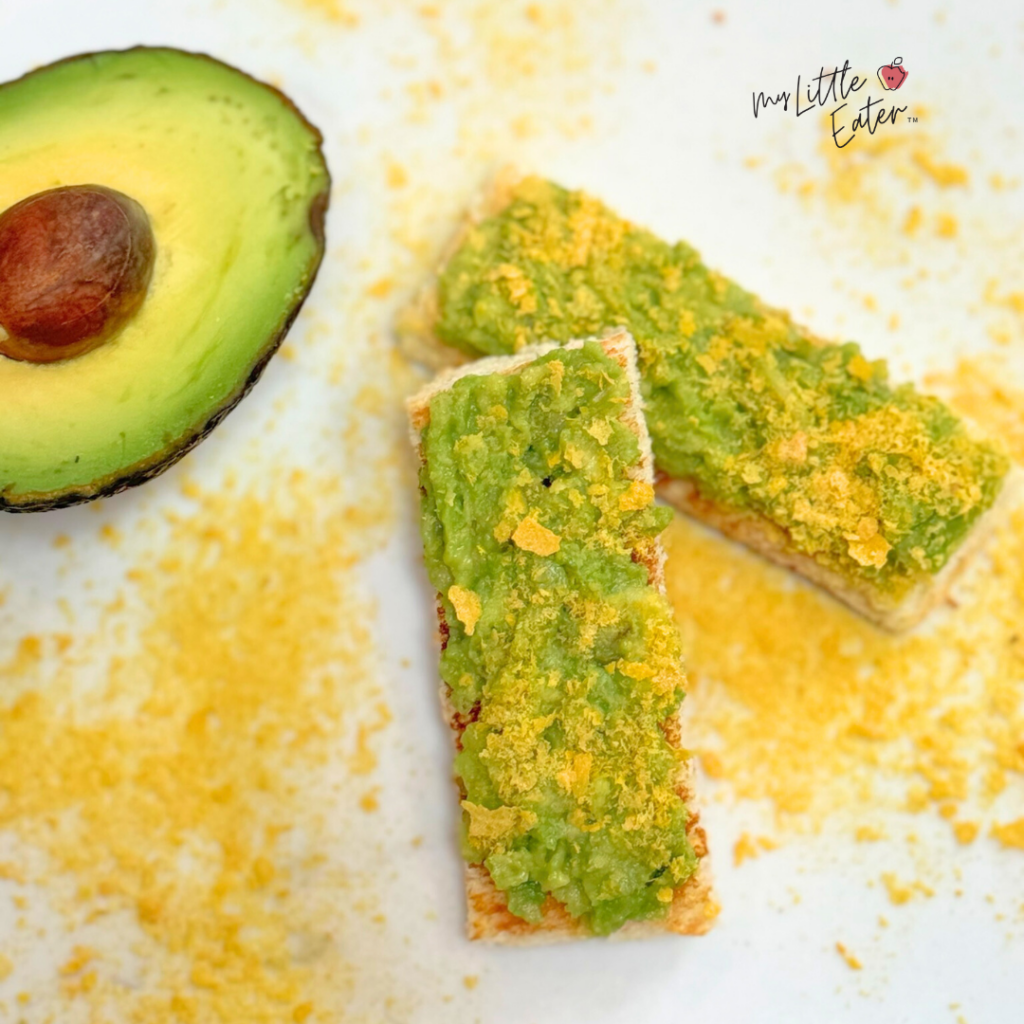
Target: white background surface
667	149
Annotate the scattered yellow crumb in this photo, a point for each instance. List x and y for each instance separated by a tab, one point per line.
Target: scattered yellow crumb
80	956
364	759
471	981
381	288
747	847
6	967
851	961
869	833
397	176
744	849
913	220
1011	834
943	174
335	11
369	801
966	831
946	225
110	534
11	872
899	893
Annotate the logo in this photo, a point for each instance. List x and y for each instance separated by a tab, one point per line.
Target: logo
893	75
837	86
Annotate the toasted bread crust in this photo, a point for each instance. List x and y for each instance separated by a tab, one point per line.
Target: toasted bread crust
693	908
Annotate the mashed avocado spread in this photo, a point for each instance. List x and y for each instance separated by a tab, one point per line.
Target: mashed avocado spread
562	657
876	481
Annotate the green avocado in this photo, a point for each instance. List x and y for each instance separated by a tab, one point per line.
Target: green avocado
235	187
560	654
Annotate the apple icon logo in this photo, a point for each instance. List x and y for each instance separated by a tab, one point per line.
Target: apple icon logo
893	75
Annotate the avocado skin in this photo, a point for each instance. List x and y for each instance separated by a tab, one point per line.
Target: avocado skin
177	449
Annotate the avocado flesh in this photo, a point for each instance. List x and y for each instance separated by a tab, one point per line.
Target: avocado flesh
235	185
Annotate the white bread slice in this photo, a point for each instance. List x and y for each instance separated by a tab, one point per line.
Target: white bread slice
415	328
693	908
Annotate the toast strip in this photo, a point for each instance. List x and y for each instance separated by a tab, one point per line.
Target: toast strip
796	447
690	905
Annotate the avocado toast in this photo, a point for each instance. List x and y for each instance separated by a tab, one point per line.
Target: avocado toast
800	448
561	673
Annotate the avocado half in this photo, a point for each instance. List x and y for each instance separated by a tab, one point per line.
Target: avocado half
235	185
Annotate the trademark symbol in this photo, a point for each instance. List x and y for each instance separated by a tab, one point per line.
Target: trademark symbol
913	120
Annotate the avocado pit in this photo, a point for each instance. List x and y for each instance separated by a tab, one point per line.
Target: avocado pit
75	265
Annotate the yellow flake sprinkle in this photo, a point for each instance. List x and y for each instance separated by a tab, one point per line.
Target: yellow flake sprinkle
6	967
636	669
531	535
793	448
860	368
666	894
687	323
707	363
471	981
467	606
873	551
639	495
490	828
556	368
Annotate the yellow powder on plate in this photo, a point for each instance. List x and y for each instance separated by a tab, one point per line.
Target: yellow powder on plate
980	390
797	701
174	794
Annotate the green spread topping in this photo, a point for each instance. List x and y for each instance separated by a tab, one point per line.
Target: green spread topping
561	655
875	481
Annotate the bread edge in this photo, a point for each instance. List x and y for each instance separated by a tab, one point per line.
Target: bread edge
693	907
